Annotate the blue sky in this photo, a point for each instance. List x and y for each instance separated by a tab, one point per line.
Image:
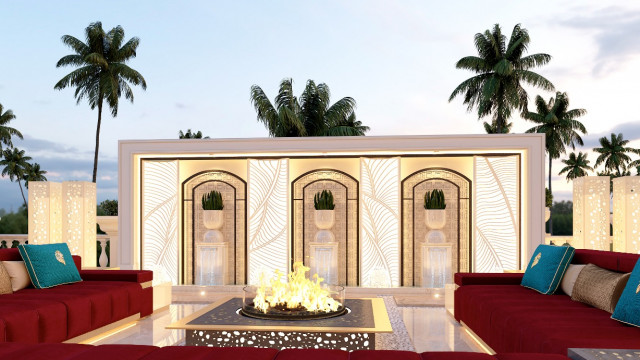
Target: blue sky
396	58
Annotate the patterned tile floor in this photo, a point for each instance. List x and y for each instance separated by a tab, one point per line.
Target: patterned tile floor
419	328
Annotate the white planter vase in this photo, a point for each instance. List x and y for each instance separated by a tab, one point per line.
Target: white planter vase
325	219
547	214
435	220
213	220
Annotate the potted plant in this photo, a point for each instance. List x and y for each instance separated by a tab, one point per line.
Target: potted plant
325	215
212	207
435	213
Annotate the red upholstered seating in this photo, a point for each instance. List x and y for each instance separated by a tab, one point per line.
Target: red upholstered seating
511	318
67	311
142	352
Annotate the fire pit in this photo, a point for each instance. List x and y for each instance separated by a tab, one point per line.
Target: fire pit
300	298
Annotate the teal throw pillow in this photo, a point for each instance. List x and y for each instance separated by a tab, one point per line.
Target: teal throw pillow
547	267
49	265
628	308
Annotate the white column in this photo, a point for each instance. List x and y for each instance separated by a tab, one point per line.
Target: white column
79	219
45	212
591	212
626	214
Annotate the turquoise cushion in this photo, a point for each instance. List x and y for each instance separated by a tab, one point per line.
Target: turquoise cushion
547	267
49	265
628	308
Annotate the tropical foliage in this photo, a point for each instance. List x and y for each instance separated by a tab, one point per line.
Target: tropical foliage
309	115
108	208
434	200
323	200
558	124
614	154
191	135
493	129
501	69
32	172
548	198
576	166
7	132
212	201
102	74
15	163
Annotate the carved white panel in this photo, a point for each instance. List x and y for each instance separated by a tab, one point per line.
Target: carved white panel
380	221
268	196
626	214
79	219
497	213
45	212
159	247
591	212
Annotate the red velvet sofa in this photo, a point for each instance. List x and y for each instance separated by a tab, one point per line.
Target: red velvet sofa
135	352
512	318
67	311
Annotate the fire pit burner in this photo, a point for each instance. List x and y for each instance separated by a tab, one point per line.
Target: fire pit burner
282	313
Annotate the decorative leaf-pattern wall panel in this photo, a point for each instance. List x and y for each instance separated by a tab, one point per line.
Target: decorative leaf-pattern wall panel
160	218
380	226
497	214
268	217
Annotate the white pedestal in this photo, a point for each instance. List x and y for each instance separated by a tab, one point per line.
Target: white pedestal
436	265
324	261
211	263
161	295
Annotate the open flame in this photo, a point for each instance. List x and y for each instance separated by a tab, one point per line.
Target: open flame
298	292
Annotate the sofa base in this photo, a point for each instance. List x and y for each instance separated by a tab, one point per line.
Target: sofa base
486	348
102	332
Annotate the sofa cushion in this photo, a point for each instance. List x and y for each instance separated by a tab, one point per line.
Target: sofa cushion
49	265
43	351
5	281
449	355
18	274
119	352
33	321
628	308
211	353
569	278
383	355
547	267
599	287
312	354
529	356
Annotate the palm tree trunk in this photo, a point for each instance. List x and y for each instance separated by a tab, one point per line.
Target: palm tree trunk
550	218
22	192
95	156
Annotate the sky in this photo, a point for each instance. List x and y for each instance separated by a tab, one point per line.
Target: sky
395	58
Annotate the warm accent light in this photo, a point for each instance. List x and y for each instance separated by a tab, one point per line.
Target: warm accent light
79	219
297	292
626	212
45	208
591	212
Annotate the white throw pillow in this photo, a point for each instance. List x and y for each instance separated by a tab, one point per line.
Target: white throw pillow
570	276
18	274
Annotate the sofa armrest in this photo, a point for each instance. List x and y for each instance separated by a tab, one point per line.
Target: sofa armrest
462	279
139	276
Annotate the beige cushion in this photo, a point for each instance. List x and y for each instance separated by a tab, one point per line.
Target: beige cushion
5	281
569	278
599	287
18	274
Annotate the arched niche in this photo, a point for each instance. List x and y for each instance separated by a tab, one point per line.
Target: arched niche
345	192
457	190
234	195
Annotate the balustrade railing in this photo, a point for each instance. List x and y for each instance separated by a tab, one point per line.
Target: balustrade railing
103	242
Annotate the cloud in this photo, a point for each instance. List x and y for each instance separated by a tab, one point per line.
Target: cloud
63	163
629	130
615	32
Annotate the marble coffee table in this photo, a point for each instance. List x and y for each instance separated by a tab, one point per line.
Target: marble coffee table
221	325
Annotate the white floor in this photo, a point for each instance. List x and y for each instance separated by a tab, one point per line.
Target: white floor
430	329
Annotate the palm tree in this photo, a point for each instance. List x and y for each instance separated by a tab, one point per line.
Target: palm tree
15	163
559	125
6	132
493	128
311	115
191	135
102	74
614	154
32	172
576	166
501	69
